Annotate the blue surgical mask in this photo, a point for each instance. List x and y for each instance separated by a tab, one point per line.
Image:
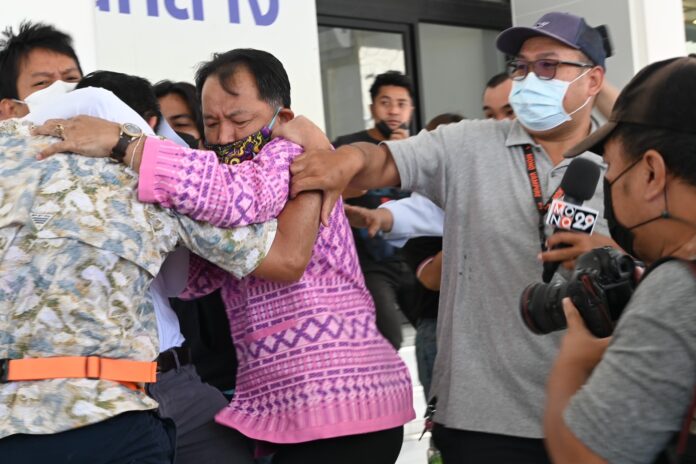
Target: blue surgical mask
538	103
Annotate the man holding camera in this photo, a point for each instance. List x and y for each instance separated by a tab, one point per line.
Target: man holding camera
490	370
622	399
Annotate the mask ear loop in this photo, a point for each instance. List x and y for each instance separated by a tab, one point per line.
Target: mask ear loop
275	116
588	98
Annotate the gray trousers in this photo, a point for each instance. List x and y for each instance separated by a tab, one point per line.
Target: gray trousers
192	405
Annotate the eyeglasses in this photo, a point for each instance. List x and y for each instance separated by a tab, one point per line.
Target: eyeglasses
544	69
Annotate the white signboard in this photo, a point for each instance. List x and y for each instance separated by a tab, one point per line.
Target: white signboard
74	17
167	39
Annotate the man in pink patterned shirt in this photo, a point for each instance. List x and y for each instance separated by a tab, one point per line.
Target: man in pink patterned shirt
316	378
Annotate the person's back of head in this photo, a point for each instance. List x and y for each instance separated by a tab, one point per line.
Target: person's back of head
444	118
134	91
187	93
268	72
16	47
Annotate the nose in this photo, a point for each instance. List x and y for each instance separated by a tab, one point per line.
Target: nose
227	133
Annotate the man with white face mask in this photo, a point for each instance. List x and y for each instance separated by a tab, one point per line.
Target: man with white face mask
31	60
493	179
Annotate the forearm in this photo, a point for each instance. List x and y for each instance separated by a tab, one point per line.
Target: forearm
375	166
564	448
195	183
298	225
429	274
134	154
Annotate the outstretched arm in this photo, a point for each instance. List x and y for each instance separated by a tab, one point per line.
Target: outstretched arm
361	165
192	182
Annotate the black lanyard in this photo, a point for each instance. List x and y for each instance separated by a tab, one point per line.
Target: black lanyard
535	183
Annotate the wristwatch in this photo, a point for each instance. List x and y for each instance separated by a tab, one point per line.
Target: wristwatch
129	132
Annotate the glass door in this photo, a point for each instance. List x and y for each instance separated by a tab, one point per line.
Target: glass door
351	58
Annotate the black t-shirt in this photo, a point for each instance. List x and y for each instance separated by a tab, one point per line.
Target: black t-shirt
415	252
371	251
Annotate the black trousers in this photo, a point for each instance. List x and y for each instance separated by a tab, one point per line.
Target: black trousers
464	447
138	437
192	405
381	447
391	284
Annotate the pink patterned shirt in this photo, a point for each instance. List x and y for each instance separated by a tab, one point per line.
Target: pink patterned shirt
312	364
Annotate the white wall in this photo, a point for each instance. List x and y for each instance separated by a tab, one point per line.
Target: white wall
164	47
456	63
76	17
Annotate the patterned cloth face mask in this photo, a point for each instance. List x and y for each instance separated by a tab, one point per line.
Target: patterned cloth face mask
246	148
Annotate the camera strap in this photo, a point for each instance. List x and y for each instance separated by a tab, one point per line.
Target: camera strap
535	184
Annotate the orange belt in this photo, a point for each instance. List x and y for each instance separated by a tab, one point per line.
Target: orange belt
124	371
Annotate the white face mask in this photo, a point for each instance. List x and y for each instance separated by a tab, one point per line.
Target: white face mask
47	95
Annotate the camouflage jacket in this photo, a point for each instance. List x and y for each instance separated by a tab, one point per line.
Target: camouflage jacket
77	254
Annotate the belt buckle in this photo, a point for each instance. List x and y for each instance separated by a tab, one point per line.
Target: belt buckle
93	367
4	370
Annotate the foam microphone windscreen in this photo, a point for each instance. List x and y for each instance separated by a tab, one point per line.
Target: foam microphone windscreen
580	180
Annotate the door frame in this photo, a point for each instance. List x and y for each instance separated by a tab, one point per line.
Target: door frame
403	16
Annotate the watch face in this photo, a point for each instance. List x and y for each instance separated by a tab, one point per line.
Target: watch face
131	130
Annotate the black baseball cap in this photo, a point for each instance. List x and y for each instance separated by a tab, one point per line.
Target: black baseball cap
568	29
660	96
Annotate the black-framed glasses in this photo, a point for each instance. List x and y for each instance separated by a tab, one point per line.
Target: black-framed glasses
544	69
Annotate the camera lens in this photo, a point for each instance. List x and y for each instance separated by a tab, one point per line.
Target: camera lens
541	306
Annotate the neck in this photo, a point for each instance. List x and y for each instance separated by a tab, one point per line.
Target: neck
558	141
677	234
375	134
678	245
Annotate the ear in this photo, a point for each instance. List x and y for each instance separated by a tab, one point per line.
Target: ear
595	79
5	109
12	109
372	111
654	176
152	122
285	115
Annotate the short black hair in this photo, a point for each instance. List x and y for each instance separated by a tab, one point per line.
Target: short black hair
271	79
187	92
395	78
444	118
134	91
496	80
15	47
678	149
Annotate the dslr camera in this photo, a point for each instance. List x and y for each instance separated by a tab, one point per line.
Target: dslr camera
601	285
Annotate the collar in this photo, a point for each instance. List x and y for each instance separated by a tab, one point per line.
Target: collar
519	136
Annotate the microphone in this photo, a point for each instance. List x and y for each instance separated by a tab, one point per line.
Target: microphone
578	184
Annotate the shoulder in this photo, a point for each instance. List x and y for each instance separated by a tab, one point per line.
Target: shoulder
469	132
675	275
666	296
281	145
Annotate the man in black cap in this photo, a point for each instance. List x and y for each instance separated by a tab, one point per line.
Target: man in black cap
493	179
642	380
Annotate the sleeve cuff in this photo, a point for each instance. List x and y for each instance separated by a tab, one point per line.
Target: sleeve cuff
146	180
